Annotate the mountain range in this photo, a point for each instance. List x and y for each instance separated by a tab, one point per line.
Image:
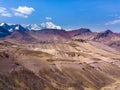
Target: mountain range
49	33
46	25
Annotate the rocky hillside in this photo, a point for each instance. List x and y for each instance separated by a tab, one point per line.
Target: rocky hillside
109	38
71	65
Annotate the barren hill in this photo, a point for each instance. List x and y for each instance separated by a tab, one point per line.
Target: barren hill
71	65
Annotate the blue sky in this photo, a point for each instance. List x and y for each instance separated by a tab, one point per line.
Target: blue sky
98	15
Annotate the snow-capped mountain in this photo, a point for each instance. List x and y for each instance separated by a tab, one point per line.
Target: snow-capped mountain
50	25
5	26
3	30
12	28
33	27
46	25
17	27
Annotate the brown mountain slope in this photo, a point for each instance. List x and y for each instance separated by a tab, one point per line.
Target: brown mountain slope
70	65
50	35
106	37
21	36
79	32
109	38
82	33
54	36
40	36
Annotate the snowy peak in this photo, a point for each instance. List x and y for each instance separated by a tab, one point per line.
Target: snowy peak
46	25
5	26
17	27
33	27
50	25
12	28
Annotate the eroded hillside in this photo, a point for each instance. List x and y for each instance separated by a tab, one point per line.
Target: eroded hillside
72	65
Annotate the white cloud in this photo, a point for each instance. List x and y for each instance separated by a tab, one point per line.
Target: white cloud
48	18
113	22
23	11
4	12
21	15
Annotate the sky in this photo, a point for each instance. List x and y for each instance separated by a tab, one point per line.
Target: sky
97	15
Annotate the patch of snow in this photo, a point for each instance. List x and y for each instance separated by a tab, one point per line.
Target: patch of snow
50	25
2	24
33	27
17	28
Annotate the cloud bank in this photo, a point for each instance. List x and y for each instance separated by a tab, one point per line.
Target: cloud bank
23	11
4	12
113	22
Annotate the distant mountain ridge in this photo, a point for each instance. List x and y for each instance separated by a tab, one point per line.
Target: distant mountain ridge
46	25
12	27
51	34
79	31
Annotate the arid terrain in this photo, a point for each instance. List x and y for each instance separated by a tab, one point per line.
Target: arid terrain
59	60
